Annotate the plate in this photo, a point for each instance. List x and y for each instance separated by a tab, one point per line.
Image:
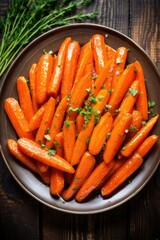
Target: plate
51	40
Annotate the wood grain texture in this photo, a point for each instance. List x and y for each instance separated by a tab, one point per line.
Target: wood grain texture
23	218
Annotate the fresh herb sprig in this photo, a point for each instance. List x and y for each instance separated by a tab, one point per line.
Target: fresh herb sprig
25	20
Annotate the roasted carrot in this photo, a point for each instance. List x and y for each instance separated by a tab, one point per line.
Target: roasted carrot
93	180
70	68
84	169
78	95
125	81
33	150
142	102
58	144
129	101
146	145
99	133
17	118
45	175
111	52
117	137
43	76
56	182
82	141
25	98
120	61
57	121
99	52
27	161
135	142
122	174
101	79
79	122
101	100
56	78
69	138
32	83
45	124
36	119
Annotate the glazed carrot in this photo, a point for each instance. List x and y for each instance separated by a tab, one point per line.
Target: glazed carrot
117	137
17	118
56	182
58	144
101	79
101	100
78	95
142	102
89	68
93	180
99	133
122	174
99	52
25	98
45	175
83	171
32	82
146	145
69	138
85	56
111	52
27	161
56	78
57	121
36	119
82	141
46	121
70	67
117	164
135	142
125	81
136	124
43	76
129	101
120	61
79	122
33	150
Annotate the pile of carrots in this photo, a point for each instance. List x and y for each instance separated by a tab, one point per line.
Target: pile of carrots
82	119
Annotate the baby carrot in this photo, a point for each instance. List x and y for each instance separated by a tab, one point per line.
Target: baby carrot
33	150
27	161
93	180
56	182
43	76
32	82
57	121
132	145
117	137
101	79
44	127
120	61
146	145
99	133
136	124
69	138
25	98
79	122
84	169
111	52
125	81
56	78
99	52
78	95
82	141
17	118
45	175
70	67
129	101
36	119
122	174
142	102
58	144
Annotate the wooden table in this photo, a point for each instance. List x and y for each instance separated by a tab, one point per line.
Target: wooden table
22	217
